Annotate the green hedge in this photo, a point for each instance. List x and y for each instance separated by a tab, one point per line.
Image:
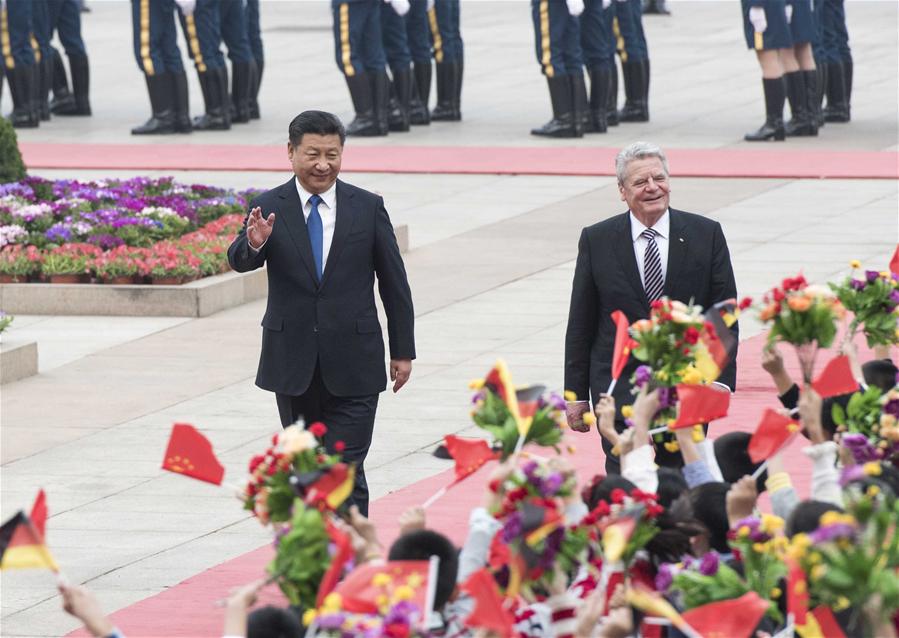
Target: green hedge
11	166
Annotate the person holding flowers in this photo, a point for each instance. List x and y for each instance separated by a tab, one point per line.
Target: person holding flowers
626	263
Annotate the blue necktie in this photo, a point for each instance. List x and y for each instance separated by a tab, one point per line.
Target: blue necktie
316	232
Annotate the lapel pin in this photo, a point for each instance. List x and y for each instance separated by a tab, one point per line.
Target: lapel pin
681	239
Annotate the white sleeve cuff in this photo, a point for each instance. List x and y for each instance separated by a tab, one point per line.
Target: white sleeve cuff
638	466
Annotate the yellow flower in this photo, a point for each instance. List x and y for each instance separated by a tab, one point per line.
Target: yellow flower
872	468
771	523
570	396
743	531
589	419
872	491
382	601
698	434
887	420
841	604
404	593
627	411
670	422
663	375
381	579
691	375
817	572
885	274
332	602
855	263
672	446
309	616
758	548
571	449
775	592
476	384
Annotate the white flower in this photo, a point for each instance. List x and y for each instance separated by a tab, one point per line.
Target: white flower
11	234
157	211
819	291
293	440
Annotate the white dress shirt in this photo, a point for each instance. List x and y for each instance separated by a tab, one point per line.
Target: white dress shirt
327	210
662	228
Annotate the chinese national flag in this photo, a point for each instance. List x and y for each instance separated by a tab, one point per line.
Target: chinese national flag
39	513
735	618
836	378
894	262
700	404
190	453
772	433
334	487
469	455
623	343
359	592
797	591
343	553
22	547
489	612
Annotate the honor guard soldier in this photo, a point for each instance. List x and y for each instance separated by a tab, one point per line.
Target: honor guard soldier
419	39
446	38
65	19
399	59
634	55
767	32
254	35
19	62
158	56
43	54
799	70
359	50
836	58
557	39
598	47
243	65
201	24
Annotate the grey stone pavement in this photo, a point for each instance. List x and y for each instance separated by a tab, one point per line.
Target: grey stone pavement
490	266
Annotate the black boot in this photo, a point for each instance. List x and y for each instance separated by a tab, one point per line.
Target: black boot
399	118
635	84
81	81
162	103
580	104
364	124
773	128
563	123
847	85
181	103
35	87
380	94
819	98
600	79
801	124
20	86
418	110
214	83
612	105
457	89
812	106
63	100
45	69
837	109
255	80
449	87
240	92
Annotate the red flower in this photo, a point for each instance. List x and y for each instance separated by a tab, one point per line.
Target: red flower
745	302
318	429
339	446
618	495
397	630
691	335
601	509
274	439
255	462
656	305
778	294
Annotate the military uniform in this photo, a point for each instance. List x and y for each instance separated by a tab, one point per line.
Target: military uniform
776	35
835	57
20	62
446	38
399	59
243	64
557	40
802	85
43	54
418	37
254	35
65	20
359	51
159	58
202	31
598	46
634	54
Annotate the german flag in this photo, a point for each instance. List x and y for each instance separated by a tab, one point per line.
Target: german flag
538	522
718	343
522	403
333	487
22	546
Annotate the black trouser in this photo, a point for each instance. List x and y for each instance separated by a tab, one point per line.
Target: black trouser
348	419
664	458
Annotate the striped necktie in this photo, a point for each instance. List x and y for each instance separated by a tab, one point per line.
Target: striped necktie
653	282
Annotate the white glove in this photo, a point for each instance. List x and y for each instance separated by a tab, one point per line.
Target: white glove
758	19
430	5
187	6
606	4
575	7
400	6
789	10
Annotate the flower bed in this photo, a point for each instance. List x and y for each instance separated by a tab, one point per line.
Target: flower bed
139	230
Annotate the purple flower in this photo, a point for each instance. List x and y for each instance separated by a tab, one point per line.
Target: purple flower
664	577
832	532
708	565
861	448
857	284
106	242
894	297
512	527
892	407
871	275
667	397
480	395
552	483
556	400
58	233
530	469
331	621
642	376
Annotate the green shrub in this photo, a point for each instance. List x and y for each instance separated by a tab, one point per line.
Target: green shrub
12	168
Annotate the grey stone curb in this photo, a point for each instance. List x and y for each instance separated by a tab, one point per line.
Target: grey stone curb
18	359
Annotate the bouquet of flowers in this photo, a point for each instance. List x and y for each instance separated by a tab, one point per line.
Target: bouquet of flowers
802	315
869	425
873	300
302	555
698	582
761	546
852	559
510	414
624	526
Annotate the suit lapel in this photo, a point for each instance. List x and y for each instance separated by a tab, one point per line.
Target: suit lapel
677	251
343	224
295	222
624	248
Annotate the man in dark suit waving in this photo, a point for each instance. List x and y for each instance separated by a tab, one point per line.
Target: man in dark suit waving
626	262
323	242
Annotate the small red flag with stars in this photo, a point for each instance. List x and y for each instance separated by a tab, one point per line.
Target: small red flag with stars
772	433
489	611
700	404
732	618
623	344
836	378
797	592
469	454
894	261
190	453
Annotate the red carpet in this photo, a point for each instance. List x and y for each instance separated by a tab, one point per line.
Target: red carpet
188	609
526	160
